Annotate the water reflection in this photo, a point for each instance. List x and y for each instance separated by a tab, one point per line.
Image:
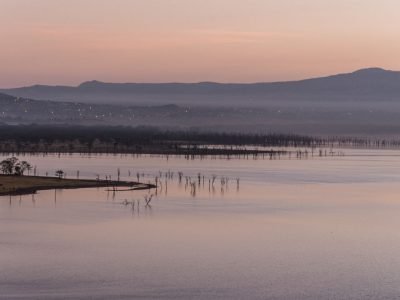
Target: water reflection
198	186
297	229
168	185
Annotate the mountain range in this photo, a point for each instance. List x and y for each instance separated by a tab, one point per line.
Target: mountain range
362	103
372	84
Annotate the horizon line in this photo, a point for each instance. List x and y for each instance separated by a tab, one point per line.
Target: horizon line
200	82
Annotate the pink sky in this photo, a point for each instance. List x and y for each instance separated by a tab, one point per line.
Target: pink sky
70	41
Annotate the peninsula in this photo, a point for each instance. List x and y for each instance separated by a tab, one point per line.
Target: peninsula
17	185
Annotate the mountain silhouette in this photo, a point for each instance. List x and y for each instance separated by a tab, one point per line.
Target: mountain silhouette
371	84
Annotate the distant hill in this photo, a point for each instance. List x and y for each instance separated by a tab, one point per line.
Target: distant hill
373	84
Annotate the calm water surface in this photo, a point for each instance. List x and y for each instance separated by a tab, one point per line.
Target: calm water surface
322	228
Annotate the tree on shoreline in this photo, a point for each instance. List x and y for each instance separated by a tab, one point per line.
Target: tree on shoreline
21	167
7	166
12	166
60	174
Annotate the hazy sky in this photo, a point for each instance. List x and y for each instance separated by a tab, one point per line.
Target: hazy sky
70	41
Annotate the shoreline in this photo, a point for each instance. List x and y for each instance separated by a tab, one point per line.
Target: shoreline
11	185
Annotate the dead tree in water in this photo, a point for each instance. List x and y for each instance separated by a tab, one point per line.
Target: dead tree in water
148	199
180	174
214	177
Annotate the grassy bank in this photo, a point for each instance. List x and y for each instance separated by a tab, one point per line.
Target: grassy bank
15	185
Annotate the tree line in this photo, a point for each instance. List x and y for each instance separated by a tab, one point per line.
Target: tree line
114	139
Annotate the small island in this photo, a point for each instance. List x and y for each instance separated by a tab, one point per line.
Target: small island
14	182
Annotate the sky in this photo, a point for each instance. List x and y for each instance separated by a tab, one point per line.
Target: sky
70	41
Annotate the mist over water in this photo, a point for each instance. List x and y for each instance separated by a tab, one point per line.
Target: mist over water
361	103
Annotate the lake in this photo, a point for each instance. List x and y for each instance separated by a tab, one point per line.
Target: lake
317	228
